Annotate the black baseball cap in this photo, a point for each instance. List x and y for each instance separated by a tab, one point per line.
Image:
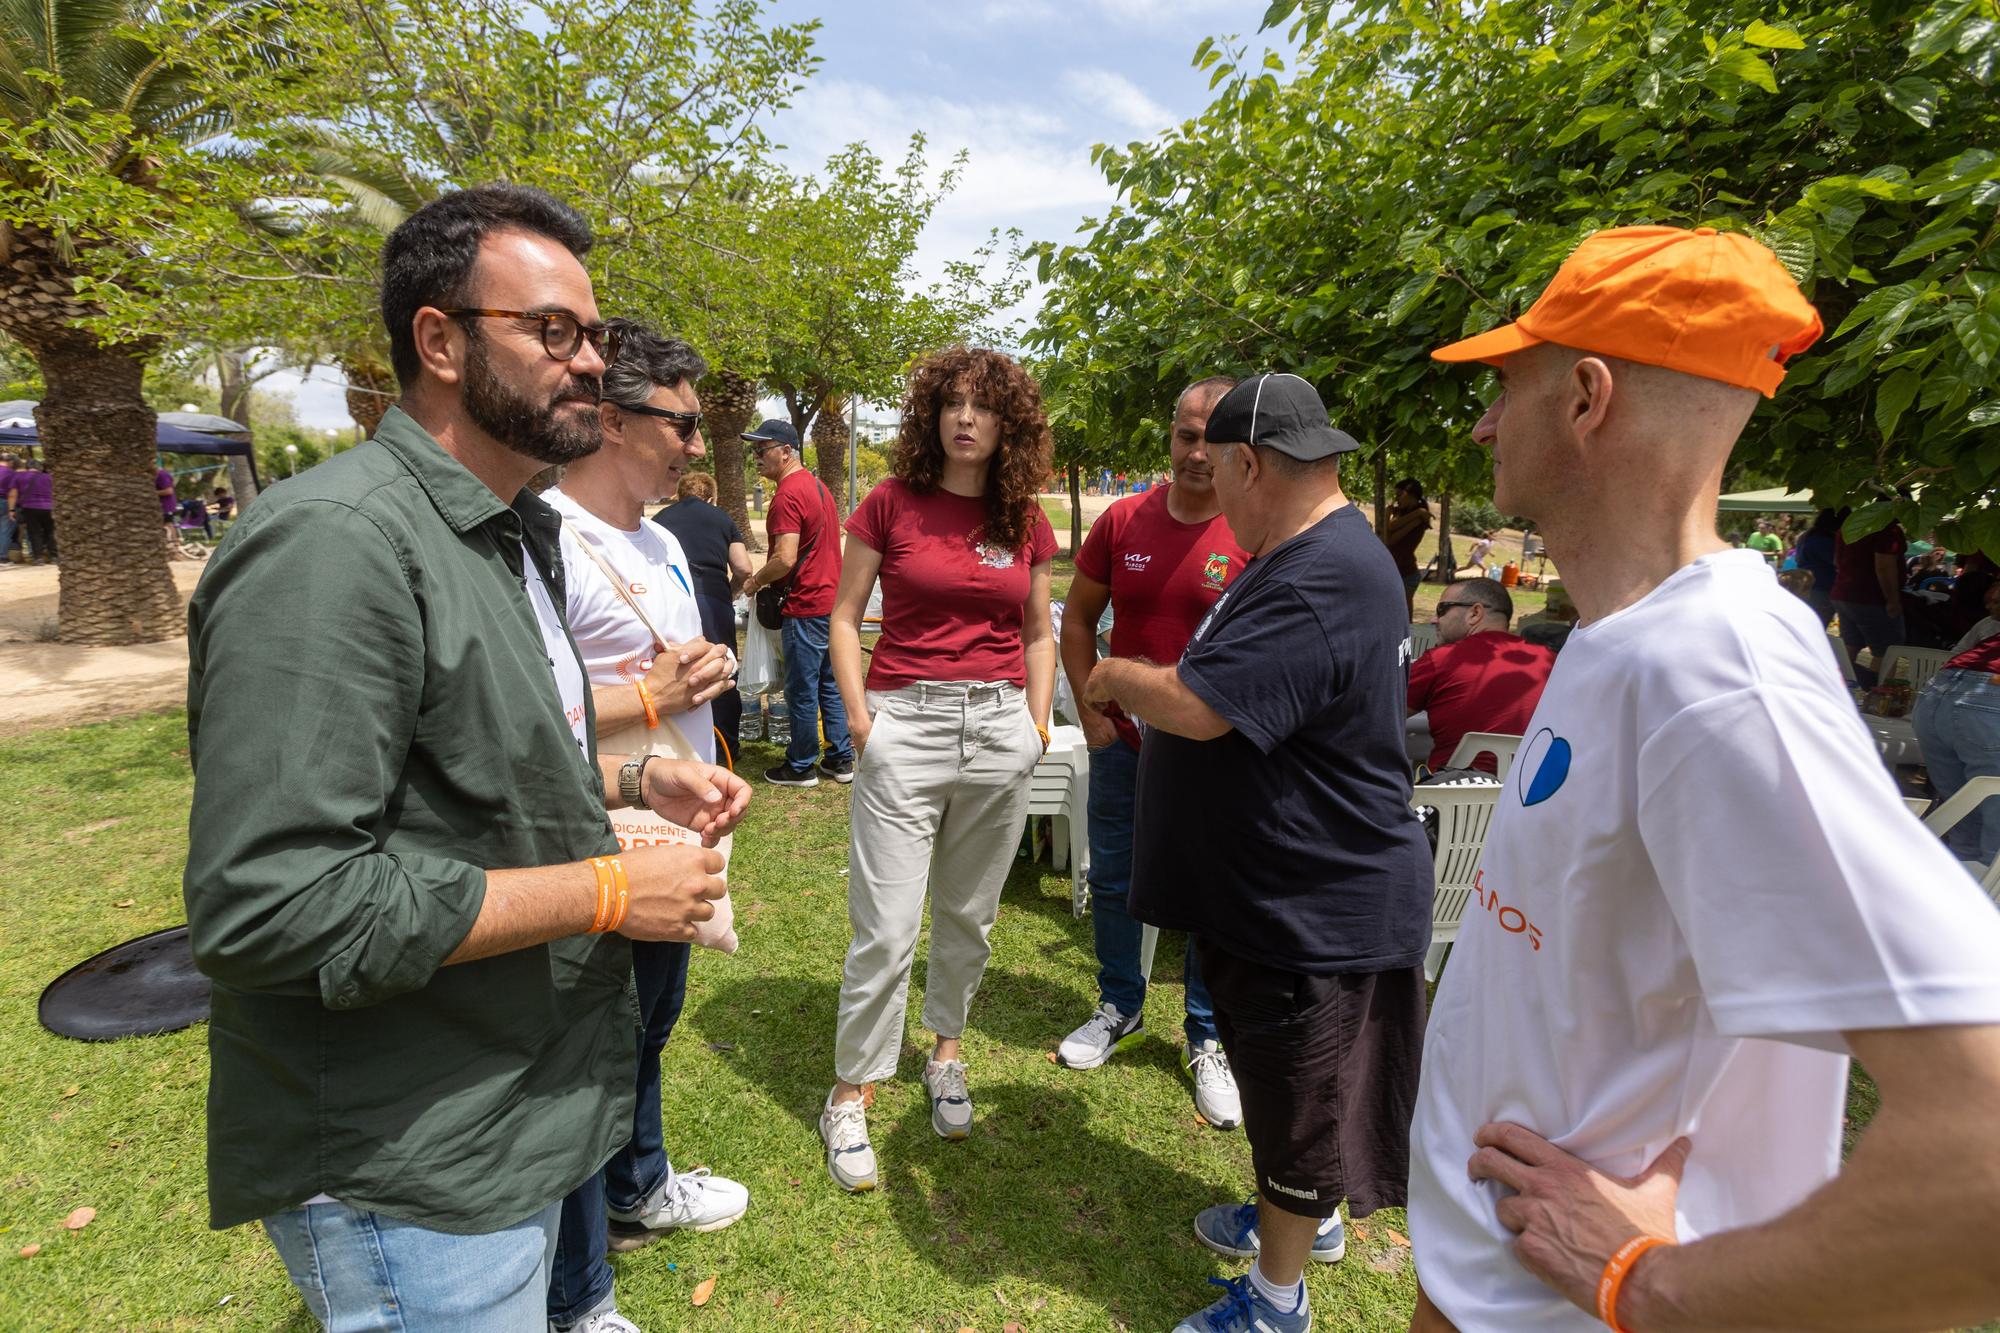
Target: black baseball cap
776	432
1278	411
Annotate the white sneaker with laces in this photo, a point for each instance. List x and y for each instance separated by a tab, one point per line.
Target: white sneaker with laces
951	1100
1104	1033
604	1319
1215	1095
696	1201
850	1157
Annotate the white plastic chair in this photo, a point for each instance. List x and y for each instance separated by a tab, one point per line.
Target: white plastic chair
1917	665
1463	814
1963	802
1475	743
1917	804
1423	638
1843	660
1059	787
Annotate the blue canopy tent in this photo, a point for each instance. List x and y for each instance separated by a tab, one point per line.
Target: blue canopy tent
169	439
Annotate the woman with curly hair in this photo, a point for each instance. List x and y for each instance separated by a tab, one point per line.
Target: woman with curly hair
960	688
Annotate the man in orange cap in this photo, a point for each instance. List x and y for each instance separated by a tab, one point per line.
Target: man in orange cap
1701	892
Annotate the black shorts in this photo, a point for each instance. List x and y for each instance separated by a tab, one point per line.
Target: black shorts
1327	1067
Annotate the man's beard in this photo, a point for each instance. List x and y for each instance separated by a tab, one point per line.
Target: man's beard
544	433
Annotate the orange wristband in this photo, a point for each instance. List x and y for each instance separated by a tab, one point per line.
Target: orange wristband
623	896
1616	1271
646	702
605	894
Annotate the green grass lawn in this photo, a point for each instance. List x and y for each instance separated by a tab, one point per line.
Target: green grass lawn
1068	1209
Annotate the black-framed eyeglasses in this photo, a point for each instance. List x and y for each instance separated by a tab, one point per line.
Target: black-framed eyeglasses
685	424
759	448
563	334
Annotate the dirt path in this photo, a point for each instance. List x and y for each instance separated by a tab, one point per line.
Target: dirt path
57	684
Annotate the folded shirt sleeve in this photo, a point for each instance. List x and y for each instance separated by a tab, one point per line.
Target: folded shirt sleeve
306	673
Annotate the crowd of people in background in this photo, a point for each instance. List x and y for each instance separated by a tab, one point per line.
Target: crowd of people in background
453	834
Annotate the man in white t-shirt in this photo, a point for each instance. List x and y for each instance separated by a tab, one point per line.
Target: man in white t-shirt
1700	893
640	639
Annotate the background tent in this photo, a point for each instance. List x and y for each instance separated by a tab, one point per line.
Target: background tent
170	440
1777	500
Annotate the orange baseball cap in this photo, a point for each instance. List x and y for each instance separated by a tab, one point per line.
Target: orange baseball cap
1707	303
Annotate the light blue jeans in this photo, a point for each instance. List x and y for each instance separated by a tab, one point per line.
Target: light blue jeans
1957	718
365	1272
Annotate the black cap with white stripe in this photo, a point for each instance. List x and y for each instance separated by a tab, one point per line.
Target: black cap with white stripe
1278	411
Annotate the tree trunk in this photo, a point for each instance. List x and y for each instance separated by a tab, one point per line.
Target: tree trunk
371	390
236	384
100	440
727	405
1075	511
1447	558
829	439
1381	488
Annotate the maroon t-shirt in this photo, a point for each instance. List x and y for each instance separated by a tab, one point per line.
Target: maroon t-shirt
952	604
1854	564
804	505
1981	656
1164	575
1484	682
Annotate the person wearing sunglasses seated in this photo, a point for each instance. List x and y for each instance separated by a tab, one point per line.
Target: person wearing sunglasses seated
1479	677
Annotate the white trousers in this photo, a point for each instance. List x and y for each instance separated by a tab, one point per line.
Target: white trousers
939	799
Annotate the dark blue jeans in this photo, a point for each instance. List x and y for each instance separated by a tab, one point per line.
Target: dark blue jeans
581	1276
1114	775
812	700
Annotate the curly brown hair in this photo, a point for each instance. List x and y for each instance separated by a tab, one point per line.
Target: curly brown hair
698	484
1020	466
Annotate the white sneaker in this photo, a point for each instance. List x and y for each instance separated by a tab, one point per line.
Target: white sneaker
1092	1044
604	1319
696	1201
1215	1095
951	1100
850	1157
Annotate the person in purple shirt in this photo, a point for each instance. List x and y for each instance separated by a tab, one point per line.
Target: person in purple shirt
163	482
8	524
31	502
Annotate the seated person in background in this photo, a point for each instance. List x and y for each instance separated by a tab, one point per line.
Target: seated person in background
223	503
1799	583
1985	628
1479	677
1550	626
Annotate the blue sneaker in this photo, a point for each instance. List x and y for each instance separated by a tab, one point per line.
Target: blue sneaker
1231	1229
1244	1310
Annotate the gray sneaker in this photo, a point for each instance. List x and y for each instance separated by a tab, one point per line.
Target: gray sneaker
951	1100
850	1157
602	1318
1215	1094
1104	1033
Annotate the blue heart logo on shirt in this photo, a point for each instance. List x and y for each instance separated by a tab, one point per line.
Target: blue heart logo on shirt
1545	764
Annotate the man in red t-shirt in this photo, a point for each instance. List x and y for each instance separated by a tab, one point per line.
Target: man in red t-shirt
1159	560
1479	677
1868	594
804	527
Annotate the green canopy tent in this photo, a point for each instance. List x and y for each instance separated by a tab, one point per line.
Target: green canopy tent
1777	500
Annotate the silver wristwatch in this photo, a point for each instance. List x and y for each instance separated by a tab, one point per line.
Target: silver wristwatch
629	774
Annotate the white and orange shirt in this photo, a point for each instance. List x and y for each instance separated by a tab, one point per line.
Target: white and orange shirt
1699	876
617	648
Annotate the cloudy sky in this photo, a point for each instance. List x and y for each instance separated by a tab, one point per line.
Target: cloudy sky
1025	87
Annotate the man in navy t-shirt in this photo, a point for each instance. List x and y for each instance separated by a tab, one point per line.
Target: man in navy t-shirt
1273	822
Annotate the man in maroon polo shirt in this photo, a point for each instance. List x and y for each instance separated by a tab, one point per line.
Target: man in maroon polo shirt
1479	677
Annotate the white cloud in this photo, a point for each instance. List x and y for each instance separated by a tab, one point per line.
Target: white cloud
1112	94
1163	11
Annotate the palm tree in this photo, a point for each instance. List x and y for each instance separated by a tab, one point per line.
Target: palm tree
728	402
63	62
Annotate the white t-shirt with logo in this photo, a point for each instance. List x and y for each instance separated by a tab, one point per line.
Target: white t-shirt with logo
614	642
1700	874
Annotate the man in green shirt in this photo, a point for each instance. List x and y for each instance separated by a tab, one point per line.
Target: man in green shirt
1766	540
422	1029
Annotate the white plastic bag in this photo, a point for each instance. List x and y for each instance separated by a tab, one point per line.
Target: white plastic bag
762	671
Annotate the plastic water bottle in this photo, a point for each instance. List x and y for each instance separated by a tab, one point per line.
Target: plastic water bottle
777	723
751	727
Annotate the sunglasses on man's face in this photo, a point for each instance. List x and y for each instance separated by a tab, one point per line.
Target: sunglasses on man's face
685	424
1443	607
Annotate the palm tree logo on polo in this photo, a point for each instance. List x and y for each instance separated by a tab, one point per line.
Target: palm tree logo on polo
1543	767
1215	572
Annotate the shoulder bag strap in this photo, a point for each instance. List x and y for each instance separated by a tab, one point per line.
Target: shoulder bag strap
617	584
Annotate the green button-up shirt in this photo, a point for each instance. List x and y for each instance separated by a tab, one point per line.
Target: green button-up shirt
374	724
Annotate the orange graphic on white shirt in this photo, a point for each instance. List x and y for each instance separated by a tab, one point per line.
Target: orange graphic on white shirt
1510	919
